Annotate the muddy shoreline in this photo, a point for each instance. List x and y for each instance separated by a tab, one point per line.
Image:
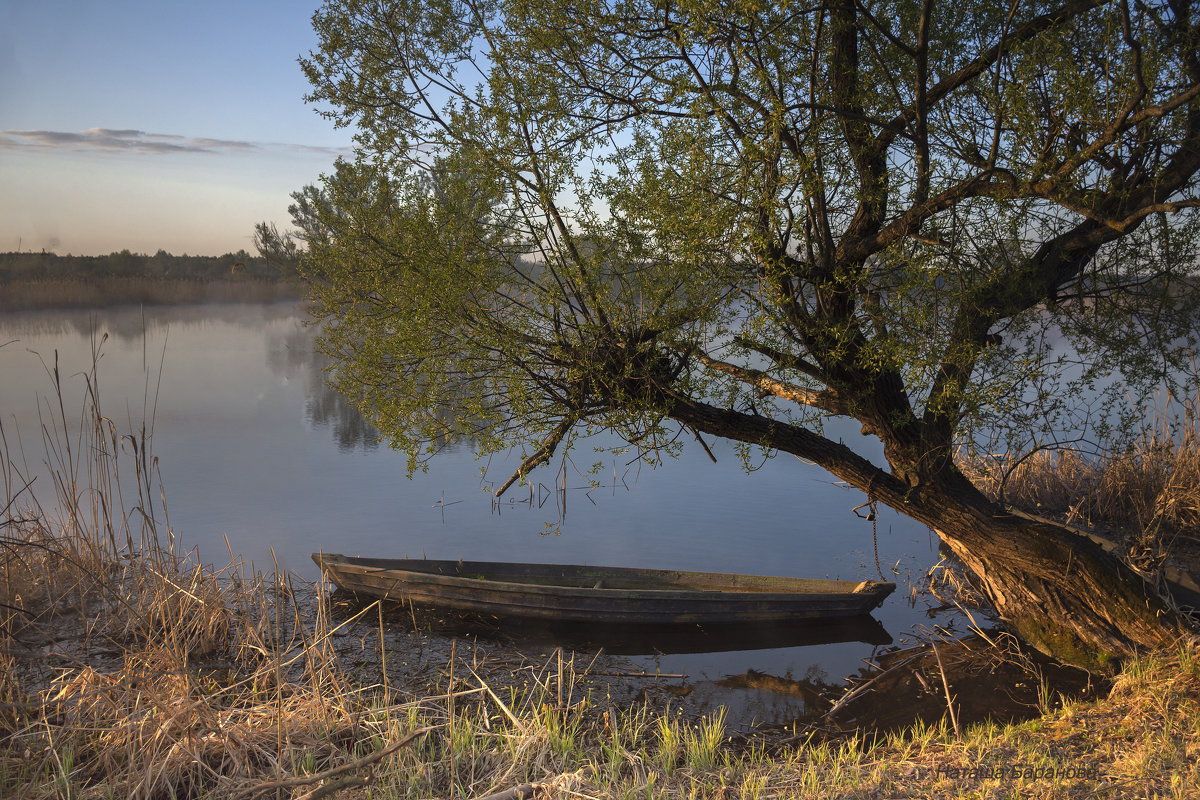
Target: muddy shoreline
988	676
426	652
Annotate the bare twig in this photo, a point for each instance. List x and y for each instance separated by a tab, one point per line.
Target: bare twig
946	686
541	455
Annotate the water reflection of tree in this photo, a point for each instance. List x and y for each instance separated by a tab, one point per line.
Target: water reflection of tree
325	407
291	355
126	324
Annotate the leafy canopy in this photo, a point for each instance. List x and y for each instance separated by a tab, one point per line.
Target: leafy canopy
655	216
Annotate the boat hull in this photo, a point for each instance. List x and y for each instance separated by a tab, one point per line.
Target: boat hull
576	593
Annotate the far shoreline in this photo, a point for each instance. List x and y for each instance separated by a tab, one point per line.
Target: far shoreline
110	291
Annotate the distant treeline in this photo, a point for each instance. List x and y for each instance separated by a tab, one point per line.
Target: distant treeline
49	266
46	280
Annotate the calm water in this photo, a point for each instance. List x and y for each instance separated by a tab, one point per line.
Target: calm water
253	447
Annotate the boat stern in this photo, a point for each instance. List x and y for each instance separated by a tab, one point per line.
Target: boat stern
877	590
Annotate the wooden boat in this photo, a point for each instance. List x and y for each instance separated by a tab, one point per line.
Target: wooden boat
574	593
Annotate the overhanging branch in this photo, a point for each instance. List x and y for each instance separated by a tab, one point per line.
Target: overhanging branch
541	455
835	457
784	360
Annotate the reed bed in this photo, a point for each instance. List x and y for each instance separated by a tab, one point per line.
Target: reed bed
1144	491
130	669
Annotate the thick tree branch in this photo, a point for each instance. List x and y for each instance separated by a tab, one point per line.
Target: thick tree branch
825	400
866	151
835	457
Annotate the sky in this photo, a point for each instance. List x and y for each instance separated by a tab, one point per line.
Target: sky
154	124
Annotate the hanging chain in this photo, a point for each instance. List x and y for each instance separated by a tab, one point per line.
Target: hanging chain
872	517
875	538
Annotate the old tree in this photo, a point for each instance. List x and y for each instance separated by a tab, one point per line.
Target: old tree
946	221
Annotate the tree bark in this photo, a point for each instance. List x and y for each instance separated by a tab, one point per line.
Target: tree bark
1058	591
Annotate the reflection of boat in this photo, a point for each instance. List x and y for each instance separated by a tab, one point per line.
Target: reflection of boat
622	595
619	638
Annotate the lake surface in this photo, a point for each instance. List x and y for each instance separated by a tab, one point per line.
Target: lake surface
254	448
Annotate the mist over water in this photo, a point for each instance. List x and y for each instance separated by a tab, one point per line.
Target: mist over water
254	447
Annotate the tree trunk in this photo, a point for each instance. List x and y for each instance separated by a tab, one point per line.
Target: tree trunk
1057	590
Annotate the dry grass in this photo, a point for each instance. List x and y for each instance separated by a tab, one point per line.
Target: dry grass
1142	741
1147	491
166	679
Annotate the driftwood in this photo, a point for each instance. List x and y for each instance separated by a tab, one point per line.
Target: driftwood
610	674
858	691
525	790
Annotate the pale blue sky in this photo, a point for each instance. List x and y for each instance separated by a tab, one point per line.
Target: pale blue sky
148	124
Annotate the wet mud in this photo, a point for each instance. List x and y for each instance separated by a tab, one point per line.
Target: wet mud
987	677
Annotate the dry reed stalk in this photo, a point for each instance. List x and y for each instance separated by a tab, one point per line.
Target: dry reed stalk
950	584
155	724
1146	487
946	687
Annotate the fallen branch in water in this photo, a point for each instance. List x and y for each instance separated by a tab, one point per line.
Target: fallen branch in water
680	675
865	687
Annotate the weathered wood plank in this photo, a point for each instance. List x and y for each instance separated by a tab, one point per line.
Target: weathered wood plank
602	594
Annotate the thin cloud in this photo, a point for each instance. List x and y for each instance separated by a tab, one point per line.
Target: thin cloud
110	140
318	150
